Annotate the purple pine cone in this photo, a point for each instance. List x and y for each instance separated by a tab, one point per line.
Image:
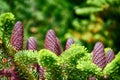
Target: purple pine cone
52	43
40	70
31	44
17	36
98	55
110	56
69	42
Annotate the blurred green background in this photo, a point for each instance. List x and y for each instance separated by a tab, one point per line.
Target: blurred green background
86	21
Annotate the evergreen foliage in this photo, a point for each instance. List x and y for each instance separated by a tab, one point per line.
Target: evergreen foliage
6	26
75	63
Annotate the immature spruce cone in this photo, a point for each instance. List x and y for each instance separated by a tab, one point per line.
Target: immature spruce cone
98	55
110	56
52	43
69	42
31	44
40	70
17	36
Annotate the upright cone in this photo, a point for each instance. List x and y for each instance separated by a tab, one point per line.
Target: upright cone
110	56
69	42
52	43
17	36
31	44
98	55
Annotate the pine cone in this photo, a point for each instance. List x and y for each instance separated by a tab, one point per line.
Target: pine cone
52	43
98	55
31	44
41	71
69	42
110	56
17	36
